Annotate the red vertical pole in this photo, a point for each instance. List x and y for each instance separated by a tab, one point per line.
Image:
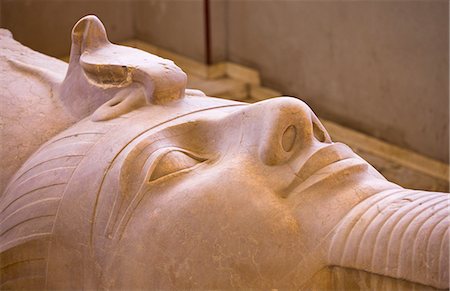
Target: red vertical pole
206	12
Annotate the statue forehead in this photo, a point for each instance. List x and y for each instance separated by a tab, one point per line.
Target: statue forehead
159	115
116	133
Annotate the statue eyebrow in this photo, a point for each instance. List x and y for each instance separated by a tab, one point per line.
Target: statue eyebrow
142	149
174	126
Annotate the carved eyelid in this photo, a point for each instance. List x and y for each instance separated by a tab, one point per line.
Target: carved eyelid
154	159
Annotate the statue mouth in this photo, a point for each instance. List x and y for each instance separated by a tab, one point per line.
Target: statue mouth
323	163
324	157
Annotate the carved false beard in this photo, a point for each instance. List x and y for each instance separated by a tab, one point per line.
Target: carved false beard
396	233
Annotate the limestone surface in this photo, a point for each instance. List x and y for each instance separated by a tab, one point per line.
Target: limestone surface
31	111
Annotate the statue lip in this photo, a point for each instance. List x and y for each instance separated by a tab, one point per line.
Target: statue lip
323	157
322	163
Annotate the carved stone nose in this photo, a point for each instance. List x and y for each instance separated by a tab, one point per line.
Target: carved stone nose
289	126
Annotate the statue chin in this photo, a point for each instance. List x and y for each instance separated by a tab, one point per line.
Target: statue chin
155	186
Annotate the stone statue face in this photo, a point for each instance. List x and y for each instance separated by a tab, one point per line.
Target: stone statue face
226	189
162	187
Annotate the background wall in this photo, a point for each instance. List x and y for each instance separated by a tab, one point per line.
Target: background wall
45	25
174	25
179	26
380	67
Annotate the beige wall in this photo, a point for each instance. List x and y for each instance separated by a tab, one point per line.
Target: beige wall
172	24
377	66
45	25
179	26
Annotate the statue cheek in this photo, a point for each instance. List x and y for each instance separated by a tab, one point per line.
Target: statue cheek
199	225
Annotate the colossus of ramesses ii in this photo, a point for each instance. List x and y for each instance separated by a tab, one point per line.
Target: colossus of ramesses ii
115	176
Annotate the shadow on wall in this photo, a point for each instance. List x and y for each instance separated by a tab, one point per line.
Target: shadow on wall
380	67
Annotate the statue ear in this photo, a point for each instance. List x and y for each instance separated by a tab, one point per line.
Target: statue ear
88	33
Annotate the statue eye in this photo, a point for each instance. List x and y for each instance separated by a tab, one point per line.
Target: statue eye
173	162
